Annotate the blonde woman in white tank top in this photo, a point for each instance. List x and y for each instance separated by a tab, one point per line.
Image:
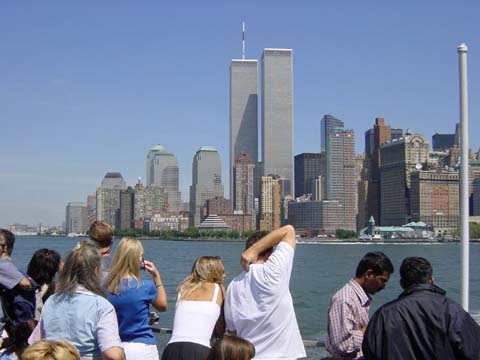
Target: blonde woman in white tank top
199	311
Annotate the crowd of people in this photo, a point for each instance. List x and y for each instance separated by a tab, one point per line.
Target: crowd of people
96	305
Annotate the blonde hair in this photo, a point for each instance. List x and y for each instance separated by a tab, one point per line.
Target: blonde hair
51	350
205	269
125	264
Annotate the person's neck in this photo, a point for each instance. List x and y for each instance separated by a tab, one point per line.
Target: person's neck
105	251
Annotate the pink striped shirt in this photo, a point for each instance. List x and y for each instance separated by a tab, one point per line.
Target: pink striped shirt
347	315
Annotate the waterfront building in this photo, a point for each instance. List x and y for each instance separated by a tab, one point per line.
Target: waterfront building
308	168
126	209
218	205
443	142
473	173
434	200
163	171
139	205
244	185
341	184
311	218
76	218
381	135
269	218
243	114
399	158
148	201
476	197
159	222
277	114
213	222
108	198
206	181
238	221
91	208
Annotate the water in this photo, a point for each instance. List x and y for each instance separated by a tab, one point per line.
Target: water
319	270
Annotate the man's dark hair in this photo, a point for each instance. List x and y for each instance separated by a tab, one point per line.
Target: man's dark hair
376	261
9	240
415	270
256	237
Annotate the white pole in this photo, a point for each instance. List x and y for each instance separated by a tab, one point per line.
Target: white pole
464	192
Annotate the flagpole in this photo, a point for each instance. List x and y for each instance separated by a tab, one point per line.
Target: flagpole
464	191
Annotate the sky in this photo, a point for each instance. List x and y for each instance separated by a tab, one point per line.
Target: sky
88	87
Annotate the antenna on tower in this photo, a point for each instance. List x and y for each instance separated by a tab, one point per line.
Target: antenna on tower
243	40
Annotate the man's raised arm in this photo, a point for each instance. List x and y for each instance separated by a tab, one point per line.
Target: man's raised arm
285	233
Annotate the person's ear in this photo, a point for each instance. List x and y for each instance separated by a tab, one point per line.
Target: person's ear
369	273
431	281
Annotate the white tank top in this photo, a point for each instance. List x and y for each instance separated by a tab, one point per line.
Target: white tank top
194	321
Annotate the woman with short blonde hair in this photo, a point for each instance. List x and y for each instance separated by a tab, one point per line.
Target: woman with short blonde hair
51	350
198	313
131	296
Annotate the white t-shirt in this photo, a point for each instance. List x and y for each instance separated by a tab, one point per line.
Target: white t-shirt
259	307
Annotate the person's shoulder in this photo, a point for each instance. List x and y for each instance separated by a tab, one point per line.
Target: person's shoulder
343	292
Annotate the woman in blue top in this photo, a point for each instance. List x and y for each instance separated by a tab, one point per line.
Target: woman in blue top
131	296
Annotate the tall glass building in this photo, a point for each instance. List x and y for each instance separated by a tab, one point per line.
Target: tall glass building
206	181
163	171
108	198
243	112
327	124
277	114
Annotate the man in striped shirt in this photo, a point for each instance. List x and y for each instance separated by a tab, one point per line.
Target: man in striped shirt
348	310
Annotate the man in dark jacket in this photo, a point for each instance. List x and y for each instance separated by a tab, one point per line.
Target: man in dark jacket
422	323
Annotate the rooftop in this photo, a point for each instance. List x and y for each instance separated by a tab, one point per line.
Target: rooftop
207	148
159	148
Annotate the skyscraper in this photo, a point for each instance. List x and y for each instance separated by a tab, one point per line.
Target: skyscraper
434	199
243	112
277	114
91	208
443	142
327	124
398	160
206	181
108	198
270	205
341	184
243	189
308	167
76	218
163	171
381	135
126	209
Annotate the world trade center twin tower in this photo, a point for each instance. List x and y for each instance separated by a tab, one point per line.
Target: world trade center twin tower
276	115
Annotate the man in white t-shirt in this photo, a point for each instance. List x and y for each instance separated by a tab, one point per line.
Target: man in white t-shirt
258	304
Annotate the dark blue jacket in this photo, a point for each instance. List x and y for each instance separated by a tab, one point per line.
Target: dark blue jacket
422	324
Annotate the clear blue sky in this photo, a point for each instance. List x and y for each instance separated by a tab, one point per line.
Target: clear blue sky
88	87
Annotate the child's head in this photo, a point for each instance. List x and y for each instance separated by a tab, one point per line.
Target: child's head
51	350
232	347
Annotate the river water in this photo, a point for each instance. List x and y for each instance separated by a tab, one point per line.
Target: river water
319	270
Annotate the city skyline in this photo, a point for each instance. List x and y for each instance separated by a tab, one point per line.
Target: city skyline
88	89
